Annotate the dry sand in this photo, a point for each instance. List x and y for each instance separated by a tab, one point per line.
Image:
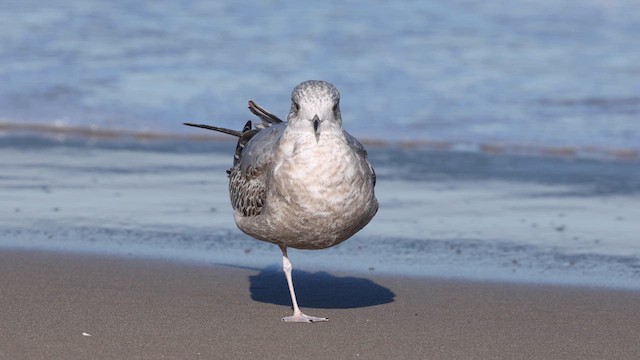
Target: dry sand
149	309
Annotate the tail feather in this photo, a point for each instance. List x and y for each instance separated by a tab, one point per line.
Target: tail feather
215	128
247	132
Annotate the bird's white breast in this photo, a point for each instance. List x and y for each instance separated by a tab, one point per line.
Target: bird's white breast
320	192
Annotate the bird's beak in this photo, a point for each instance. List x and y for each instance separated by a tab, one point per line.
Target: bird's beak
316	126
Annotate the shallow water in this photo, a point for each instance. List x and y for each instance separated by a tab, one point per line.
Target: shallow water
443	214
538	73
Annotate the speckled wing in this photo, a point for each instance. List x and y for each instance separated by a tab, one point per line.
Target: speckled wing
248	177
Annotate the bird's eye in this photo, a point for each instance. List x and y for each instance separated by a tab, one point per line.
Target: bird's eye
296	105
335	107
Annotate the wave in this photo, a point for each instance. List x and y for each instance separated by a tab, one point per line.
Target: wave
61	131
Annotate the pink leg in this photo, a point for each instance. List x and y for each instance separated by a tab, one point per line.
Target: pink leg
297	316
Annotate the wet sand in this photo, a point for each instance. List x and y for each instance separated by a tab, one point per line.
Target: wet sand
151	309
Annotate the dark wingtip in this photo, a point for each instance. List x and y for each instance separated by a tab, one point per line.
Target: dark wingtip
215	128
263	114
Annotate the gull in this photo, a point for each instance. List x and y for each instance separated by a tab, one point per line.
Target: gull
305	183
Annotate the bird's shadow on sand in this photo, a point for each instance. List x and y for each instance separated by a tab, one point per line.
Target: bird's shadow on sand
317	290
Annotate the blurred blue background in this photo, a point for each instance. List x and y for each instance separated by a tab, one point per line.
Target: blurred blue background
540	73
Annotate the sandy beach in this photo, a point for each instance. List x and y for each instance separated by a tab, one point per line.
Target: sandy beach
150	309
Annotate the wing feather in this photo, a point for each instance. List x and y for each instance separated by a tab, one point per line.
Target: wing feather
360	150
248	177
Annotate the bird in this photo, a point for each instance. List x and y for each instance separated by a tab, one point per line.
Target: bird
304	183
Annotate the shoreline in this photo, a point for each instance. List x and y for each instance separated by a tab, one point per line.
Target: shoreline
446	260
144	309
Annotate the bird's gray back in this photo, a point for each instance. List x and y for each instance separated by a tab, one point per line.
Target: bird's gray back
260	150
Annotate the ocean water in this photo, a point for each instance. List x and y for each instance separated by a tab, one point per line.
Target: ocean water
549	73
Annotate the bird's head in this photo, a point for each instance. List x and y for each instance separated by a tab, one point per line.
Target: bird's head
315	107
